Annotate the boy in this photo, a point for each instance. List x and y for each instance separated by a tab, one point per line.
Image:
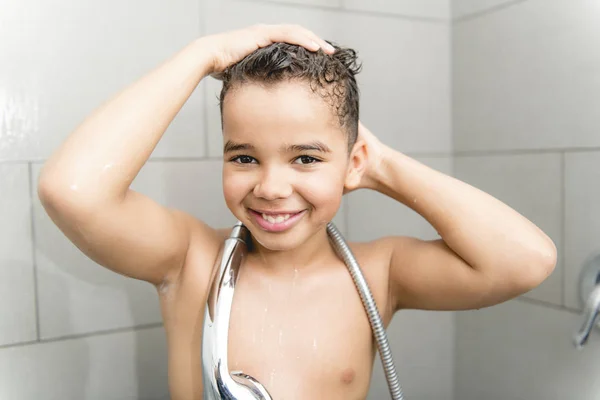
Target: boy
293	147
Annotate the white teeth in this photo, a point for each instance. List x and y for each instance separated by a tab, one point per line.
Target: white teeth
276	219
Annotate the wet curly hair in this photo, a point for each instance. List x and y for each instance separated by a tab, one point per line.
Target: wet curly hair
332	76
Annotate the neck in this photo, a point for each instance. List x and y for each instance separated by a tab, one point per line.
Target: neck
312	253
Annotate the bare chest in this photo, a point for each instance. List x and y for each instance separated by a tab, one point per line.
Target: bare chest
302	338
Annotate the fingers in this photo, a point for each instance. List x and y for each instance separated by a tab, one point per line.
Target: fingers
295	34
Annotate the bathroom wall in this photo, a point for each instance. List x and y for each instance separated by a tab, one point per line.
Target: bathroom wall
72	330
526	128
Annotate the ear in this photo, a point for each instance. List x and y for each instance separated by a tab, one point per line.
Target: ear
357	164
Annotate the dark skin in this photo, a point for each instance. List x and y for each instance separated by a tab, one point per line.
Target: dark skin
297	324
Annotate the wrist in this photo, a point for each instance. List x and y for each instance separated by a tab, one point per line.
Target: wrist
204	54
377	177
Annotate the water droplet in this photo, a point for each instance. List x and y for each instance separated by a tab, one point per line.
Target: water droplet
272	378
295	278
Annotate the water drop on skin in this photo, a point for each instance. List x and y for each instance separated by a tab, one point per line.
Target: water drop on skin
295	277
262	328
272	378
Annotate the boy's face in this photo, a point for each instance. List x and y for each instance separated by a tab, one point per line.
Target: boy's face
285	162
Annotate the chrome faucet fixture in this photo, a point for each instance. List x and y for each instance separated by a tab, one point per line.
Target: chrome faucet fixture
219	382
590	313
589	290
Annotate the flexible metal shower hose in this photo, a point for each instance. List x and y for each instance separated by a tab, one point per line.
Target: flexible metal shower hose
371	308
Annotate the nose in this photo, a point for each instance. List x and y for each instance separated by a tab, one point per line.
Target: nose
273	184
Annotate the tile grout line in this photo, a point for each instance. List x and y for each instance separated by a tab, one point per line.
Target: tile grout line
84	335
33	253
558	150
563	224
487	11
547	304
344	9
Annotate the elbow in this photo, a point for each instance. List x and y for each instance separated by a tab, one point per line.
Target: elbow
77	190
63	206
520	277
539	266
58	197
47	190
53	197
51	191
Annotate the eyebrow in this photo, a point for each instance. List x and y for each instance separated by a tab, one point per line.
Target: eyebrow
232	146
293	148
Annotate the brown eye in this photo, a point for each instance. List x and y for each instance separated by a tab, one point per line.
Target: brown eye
304	160
243	159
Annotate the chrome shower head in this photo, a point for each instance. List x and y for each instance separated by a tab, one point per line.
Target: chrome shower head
219	383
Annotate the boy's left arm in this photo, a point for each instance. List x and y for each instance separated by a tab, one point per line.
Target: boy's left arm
488	253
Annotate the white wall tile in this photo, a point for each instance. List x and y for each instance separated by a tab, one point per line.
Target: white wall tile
525	77
17	297
582	218
372	215
531	185
405	93
64	59
522	351
77	296
125	365
422	344
462	8
405	82
318	3
430	9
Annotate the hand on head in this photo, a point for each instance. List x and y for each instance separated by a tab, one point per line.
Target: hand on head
230	47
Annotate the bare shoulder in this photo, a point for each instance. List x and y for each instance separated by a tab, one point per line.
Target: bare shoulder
204	244
378	251
374	260
375	256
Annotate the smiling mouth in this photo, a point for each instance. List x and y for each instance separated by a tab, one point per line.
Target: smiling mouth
276	221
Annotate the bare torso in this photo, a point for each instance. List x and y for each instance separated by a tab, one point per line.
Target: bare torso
302	333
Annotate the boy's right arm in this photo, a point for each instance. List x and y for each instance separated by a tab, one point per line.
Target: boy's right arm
84	186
